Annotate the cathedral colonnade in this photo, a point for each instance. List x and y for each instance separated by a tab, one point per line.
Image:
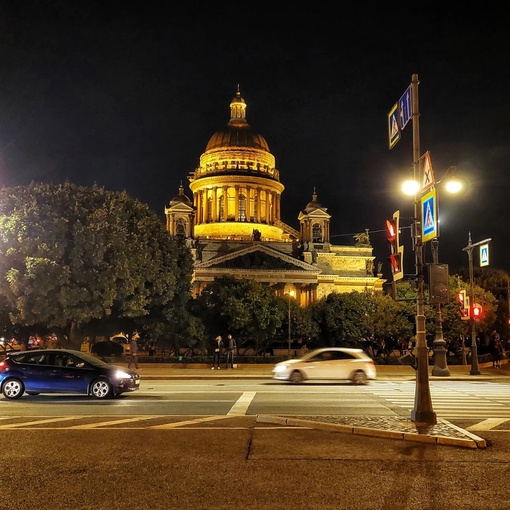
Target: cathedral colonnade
236	203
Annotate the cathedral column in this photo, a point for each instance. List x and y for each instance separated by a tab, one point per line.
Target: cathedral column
225	203
258	205
249	206
236	208
205	198
215	204
200	205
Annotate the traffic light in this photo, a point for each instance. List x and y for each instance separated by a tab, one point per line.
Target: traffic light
438	283
396	257
464	307
477	312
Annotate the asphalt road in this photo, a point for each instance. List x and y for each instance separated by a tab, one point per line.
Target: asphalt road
235	462
106	457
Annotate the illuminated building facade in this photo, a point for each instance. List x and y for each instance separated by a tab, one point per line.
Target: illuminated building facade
233	223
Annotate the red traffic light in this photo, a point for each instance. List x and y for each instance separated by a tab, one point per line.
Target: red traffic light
391	230
461	298
477	311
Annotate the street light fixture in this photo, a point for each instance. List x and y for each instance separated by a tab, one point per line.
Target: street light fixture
290	295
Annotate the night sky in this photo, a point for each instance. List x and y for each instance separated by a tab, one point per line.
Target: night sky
127	97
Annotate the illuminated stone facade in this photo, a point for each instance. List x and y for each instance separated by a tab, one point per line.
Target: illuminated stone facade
233	223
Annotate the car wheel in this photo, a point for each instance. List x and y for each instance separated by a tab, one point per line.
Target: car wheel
13	389
101	388
296	377
359	377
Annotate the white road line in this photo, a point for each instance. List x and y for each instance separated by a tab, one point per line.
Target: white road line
242	404
40	422
187	422
487	424
113	422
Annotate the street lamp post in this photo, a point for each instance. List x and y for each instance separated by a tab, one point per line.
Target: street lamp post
440	363
440	368
474	348
422	410
289	295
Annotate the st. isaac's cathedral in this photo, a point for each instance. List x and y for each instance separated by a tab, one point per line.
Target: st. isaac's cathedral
233	227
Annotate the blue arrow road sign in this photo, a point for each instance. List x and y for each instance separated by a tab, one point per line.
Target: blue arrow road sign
405	108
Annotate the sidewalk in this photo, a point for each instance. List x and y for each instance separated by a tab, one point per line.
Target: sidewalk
390	427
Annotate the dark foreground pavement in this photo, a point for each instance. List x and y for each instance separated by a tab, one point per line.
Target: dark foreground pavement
238	462
390	427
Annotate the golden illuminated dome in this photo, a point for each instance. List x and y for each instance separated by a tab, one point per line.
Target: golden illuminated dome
238	132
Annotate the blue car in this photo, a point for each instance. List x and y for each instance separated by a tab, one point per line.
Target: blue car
63	371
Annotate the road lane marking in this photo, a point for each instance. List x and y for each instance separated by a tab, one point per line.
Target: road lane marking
187	422
242	404
40	422
488	424
113	422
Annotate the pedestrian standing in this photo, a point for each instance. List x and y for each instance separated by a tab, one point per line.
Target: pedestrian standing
493	348
498	350
217	346
231	345
133	350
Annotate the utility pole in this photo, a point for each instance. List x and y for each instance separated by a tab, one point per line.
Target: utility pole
474	348
422	411
440	363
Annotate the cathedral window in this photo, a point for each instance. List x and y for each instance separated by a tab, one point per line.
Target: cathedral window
317	233
222	209
209	209
242	208
180	227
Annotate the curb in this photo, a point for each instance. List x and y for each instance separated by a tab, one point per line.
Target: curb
469	441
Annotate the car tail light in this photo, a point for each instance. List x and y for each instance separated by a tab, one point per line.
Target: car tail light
2	364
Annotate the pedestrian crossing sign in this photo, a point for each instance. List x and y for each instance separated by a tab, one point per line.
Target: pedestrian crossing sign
393	127
484	255
429	216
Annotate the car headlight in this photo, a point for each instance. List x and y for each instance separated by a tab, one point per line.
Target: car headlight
280	368
120	374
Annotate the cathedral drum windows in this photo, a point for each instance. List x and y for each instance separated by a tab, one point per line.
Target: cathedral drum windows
317	233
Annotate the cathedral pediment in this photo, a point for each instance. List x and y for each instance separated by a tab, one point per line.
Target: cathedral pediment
257	257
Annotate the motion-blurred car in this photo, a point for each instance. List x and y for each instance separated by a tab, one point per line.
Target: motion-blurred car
63	371
329	363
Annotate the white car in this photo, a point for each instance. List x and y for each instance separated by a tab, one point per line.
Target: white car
328	363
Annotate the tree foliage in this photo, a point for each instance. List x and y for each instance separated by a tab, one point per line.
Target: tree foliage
343	318
242	307
72	256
